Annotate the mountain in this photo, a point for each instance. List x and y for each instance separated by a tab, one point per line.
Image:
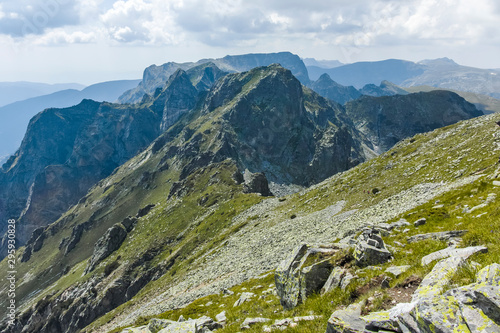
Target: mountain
14	118
385	88
330	89
389	119
189	219
441	73
361	73
311	62
11	92
155	76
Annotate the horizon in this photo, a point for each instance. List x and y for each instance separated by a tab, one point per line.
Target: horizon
91	41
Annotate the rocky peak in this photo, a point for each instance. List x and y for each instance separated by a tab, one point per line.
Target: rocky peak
330	89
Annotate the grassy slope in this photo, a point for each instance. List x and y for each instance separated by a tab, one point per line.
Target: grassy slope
469	148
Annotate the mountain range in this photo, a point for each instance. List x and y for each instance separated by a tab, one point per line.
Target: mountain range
208	174
11	92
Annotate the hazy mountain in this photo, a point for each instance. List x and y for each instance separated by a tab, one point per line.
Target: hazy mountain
14	118
330	89
155	76
11	92
385	88
311	62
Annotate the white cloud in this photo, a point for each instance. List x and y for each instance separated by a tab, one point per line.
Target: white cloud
61	37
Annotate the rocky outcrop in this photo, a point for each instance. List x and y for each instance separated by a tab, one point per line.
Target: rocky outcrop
256	183
106	245
370	249
385	88
330	89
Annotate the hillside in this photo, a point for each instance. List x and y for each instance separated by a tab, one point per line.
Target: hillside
168	225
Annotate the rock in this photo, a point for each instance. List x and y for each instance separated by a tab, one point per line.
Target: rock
144	210
188	326
443	315
397	270
452	252
444	235
333	280
346	280
420	222
489	275
434	282
252	321
155	325
107	244
205	323
496	183
129	223
398	224
385	283
28	250
370	249
381	321
256	183
245	297
181	319
141	329
347	320
306	318
300	275
221	318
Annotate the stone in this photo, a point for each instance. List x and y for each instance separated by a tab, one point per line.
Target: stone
205	323
129	223
256	183
248	322
346	320
397	270
107	244
346	280
141	329
489	275
420	222
334	279
442	314
443	235
221	318
144	210
313	278
188	326
366	254
381	320
245	297
155	325
453	252
398	224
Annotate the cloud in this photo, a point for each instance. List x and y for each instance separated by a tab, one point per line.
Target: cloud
21	18
62	37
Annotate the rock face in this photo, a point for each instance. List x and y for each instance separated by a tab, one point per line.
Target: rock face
387	120
106	245
370	249
386	88
330	89
256	183
64	153
300	275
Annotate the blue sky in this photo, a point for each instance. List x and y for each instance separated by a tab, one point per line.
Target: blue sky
89	41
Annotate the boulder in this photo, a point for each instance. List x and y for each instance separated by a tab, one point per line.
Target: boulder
155	325
245	297
188	326
304	272
129	223
346	320
256	183
221	318
453	252
370	249
141	329
420	222
252	321
333	280
397	270
107	244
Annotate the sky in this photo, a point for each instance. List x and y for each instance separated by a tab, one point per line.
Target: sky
89	41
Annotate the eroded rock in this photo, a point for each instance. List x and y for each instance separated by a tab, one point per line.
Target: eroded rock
370	249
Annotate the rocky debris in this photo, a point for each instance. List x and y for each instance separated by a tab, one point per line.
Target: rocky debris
252	321
301	274
490	198
256	183
129	223
394	225
188	326
140	329
453	252
155	325
334	279
420	222
346	320
370	249
245	297
443	235
397	270
107	244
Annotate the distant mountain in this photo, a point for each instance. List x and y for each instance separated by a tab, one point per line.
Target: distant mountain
322	63
11	92
440	73
14	118
330	89
155	76
385	88
361	73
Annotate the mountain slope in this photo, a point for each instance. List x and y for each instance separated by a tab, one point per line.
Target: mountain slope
387	120
330	89
155	76
14	118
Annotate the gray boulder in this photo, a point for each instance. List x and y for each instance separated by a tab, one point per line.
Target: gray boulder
248	322
453	252
370	249
181	327
334	279
443	235
256	183
346	320
245	297
107	244
155	325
